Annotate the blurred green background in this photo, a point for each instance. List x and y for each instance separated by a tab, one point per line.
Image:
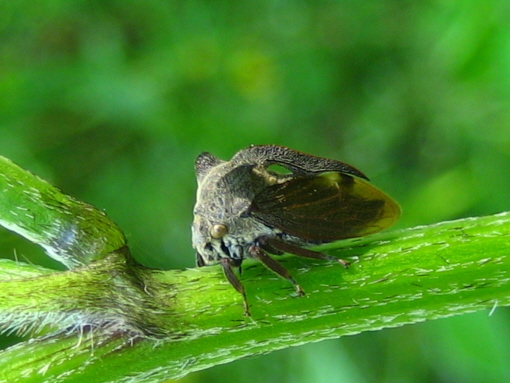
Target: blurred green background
112	101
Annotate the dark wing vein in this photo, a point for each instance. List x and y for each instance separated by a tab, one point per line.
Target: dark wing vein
325	208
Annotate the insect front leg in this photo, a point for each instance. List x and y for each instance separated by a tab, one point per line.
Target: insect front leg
274	266
227	264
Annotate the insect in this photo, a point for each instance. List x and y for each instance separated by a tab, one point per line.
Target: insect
244	209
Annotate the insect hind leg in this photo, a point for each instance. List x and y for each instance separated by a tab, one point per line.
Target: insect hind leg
296	250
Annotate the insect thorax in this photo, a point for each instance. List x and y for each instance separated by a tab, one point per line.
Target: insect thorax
224	197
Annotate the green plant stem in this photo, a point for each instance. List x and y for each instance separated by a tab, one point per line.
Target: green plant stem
196	317
116	321
72	232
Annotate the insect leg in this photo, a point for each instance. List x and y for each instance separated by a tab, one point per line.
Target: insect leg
270	249
227	265
293	249
274	266
199	260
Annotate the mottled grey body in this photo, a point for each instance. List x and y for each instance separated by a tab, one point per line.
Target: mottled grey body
226	190
224	196
243	209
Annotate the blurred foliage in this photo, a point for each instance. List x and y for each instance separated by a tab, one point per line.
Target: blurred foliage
112	101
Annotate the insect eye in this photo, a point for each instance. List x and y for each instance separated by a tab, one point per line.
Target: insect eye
218	231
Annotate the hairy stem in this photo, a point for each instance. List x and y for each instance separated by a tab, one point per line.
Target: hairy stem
114	320
194	318
72	232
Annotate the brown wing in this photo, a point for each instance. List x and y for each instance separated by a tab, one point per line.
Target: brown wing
326	207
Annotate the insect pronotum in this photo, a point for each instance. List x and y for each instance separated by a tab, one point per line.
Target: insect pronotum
244	209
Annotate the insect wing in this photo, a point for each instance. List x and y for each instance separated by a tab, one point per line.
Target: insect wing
325	208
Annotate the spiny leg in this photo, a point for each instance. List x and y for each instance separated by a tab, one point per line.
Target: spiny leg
293	249
227	264
274	266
